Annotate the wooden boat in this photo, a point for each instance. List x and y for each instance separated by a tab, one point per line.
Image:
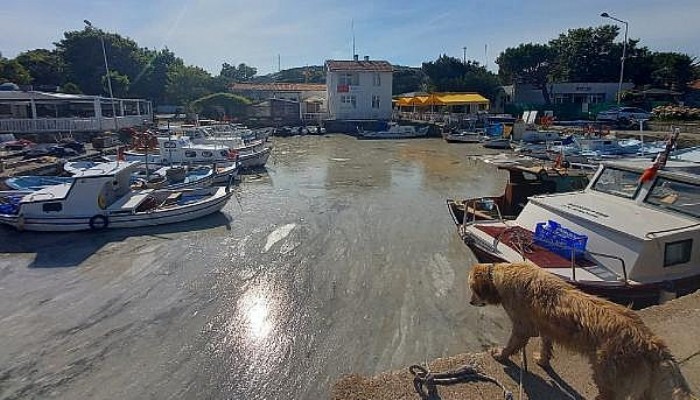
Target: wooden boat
102	197
632	235
523	181
395	132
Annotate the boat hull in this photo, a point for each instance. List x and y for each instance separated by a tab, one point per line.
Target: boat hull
116	219
637	295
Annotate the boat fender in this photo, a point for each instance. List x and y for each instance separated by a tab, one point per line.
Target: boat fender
20	223
101	201
667	292
98	222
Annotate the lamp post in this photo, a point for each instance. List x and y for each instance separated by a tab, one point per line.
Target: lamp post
88	24
624	54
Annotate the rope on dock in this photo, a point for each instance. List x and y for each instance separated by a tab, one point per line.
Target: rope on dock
426	382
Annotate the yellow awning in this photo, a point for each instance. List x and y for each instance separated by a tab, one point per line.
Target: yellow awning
458	99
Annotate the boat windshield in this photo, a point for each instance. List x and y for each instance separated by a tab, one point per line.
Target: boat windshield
618	182
674	195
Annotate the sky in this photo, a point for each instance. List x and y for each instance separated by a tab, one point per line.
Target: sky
295	33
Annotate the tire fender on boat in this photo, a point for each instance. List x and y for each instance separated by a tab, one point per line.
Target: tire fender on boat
98	222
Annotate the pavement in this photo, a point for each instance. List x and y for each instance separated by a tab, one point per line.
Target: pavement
677	322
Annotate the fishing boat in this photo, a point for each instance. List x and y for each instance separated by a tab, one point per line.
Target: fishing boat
395	132
523	181
102	197
632	235
31	182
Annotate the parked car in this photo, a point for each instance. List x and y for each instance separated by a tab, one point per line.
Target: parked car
623	116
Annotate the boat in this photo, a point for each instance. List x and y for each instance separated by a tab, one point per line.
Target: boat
182	150
31	182
395	132
632	235
102	197
464	136
524	180
170	176
497	143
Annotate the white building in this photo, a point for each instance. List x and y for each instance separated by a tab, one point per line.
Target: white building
359	90
40	112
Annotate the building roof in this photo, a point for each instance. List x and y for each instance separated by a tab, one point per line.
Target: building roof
279	87
32	95
362	65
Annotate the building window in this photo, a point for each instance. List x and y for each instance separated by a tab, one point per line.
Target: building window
377	79
375	101
348	101
677	252
348	79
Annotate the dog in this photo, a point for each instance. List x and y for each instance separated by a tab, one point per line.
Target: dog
628	360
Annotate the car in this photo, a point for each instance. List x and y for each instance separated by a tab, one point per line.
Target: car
623	115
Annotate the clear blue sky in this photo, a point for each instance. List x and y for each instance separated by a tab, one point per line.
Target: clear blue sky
209	32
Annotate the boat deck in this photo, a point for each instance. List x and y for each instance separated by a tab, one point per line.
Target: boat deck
520	240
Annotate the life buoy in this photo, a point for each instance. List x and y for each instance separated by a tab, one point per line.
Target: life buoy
98	222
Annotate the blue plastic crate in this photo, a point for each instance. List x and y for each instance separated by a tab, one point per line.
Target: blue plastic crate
555	238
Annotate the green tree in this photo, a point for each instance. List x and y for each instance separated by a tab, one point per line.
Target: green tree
44	66
590	54
71	88
152	82
241	73
84	62
219	105
408	79
449	74
672	70
186	83
13	71
528	63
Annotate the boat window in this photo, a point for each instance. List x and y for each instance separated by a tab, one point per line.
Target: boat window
677	252
170	145
190	154
674	195
618	182
207	154
52	207
224	153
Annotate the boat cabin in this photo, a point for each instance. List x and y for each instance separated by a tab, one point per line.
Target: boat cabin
638	230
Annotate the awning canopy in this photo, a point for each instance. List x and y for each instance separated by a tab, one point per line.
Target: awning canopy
443	99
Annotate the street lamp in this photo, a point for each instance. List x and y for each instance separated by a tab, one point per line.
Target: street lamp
624	54
88	24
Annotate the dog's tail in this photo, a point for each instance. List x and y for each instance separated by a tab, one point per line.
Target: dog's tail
667	382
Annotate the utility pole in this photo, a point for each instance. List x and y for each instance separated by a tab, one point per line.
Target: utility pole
279	63
464	59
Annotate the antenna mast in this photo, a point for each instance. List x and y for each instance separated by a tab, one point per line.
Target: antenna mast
352	29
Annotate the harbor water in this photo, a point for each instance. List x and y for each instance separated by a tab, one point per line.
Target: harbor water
340	258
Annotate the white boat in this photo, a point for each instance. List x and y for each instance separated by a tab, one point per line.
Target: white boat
395	132
464	136
630	236
102	197
182	150
497	143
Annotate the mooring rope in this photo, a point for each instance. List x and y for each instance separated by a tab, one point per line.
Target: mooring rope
426	382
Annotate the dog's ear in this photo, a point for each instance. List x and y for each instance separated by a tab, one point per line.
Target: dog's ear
482	285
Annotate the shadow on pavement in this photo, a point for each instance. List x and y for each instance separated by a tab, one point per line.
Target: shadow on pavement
70	249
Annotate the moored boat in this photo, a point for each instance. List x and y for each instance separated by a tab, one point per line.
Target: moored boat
102	197
632	235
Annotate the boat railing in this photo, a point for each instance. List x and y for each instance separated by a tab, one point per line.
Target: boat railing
620	259
490	203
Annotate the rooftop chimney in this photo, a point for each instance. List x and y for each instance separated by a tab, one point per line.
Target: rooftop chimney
366	58
355	57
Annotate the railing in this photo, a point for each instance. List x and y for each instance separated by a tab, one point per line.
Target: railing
448	118
314	116
47	125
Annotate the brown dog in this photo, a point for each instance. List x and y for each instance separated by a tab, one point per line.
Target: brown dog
628	360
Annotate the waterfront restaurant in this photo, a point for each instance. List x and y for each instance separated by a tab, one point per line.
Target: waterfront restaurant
441	107
41	112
